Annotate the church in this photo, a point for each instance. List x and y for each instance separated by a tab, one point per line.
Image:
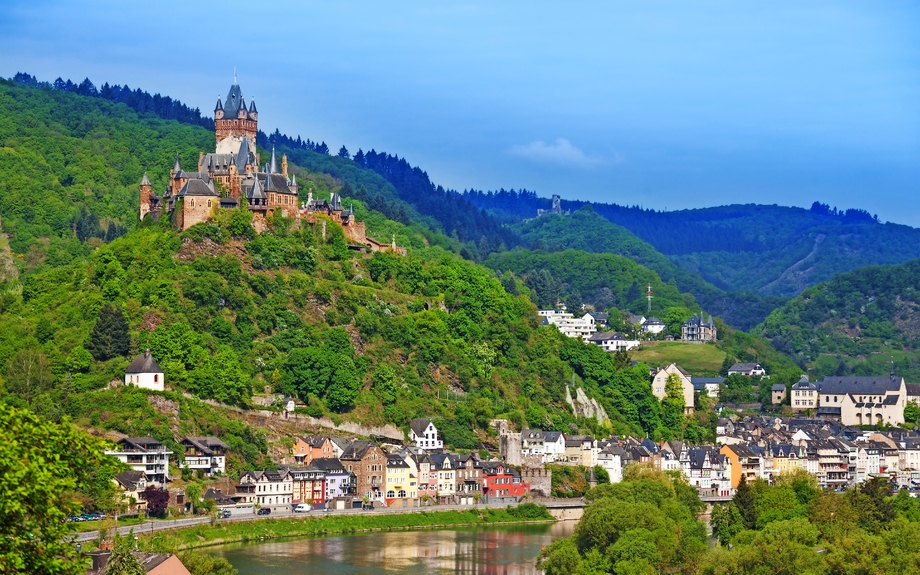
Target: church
234	178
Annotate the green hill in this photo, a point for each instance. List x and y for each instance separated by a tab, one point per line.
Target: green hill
373	339
586	230
857	323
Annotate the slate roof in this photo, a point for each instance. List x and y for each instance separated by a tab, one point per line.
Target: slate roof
207	445
419	425
778	387
745	367
395	461
329	464
913	389
141	443
859	385
653	321
130	479
357	449
606	336
144	363
234	102
198	187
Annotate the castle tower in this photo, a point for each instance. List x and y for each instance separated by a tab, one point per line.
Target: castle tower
233	122
146	190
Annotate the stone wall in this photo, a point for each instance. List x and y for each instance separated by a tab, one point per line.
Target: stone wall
540	479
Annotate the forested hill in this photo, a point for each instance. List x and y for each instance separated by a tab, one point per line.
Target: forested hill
856	323
587	231
375	339
771	250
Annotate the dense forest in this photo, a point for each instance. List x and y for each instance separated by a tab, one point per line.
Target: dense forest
857	323
771	250
650	524
587	231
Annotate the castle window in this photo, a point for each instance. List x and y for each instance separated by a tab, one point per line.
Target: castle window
209	203
193	203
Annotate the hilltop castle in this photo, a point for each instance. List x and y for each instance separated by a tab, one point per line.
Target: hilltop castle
233	178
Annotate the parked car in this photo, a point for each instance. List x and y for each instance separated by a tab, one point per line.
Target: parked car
264	511
302	508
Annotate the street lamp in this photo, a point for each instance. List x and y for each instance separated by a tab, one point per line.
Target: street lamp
135	542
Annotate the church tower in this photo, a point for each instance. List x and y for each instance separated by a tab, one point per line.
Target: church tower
233	122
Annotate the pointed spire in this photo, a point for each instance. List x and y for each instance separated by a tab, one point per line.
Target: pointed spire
274	163
145	181
294	180
220	105
252	106
177	168
268	180
234	75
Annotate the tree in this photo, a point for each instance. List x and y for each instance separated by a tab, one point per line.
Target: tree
672	406
110	337
157	501
193	495
744	502
37	495
912	413
123	561
28	374
343	153
727	363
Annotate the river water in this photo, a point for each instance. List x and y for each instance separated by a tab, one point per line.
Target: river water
510	549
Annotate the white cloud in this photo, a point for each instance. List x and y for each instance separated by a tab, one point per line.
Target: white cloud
561	153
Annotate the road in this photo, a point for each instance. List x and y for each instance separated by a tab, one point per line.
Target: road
277	512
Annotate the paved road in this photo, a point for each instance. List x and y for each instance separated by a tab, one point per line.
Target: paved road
278	512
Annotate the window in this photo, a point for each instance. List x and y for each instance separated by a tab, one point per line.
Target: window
156	377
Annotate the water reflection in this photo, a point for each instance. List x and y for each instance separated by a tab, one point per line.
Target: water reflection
510	550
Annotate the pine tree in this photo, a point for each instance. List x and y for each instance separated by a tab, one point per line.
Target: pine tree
744	502
727	363
110	337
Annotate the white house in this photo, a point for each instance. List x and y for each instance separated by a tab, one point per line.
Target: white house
659	384
611	459
653	325
145	372
424	434
145	454
550	445
267	488
611	341
568	324
748	369
207	455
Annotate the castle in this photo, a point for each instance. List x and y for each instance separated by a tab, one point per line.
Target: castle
233	178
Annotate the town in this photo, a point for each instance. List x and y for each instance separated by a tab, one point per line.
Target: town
823	437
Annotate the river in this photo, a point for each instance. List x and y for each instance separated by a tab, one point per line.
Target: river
508	549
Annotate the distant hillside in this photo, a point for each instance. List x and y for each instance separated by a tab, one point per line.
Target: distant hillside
856	323
770	250
587	231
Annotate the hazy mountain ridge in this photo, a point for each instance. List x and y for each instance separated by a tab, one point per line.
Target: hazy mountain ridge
768	249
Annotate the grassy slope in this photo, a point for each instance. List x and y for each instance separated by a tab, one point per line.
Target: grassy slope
699	360
325	524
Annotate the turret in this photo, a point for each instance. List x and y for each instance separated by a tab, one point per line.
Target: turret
176	168
218	109
284	165
273	167
146	190
294	183
253	113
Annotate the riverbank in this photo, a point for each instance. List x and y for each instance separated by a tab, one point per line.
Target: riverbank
223	532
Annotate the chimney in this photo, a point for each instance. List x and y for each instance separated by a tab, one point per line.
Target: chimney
100	560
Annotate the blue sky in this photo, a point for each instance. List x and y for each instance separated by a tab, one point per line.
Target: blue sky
665	104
